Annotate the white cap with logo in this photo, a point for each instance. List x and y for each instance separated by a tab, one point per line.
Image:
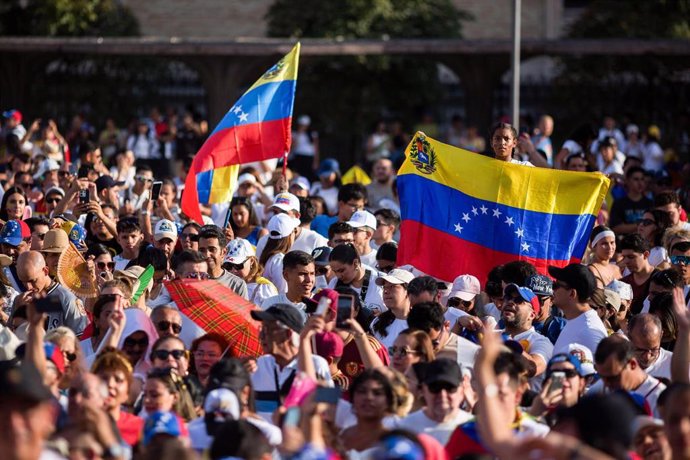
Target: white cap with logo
286	202
165	229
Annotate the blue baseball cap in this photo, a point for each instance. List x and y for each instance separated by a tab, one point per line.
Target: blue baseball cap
566	358
328	166
526	294
161	423
11	233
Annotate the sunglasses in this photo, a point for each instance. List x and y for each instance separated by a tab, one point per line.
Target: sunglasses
130	342
401	351
52	200
236	267
569	373
437	387
194	237
166	325
680	260
164	354
647	222
106	265
455	302
71	357
515	299
198	275
143	179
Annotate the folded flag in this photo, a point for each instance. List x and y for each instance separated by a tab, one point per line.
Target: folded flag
464	213
257	127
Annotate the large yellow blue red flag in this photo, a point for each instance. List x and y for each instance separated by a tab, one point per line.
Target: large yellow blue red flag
464	213
257	127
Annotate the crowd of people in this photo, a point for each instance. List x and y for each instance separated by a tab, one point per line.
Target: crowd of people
363	358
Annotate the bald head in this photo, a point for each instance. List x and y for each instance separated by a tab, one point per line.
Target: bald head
645	332
32	271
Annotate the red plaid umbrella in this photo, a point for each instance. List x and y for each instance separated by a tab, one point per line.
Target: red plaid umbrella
217	308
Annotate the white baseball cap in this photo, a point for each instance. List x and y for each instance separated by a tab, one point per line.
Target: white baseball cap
362	219
465	287
281	225
222	401
239	250
301	182
165	229
246	177
286	201
395	276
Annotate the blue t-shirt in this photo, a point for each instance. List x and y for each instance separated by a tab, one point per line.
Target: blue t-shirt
322	223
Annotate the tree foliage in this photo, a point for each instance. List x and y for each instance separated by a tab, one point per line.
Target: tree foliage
66	18
351	93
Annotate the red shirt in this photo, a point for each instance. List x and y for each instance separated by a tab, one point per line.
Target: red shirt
130	427
351	362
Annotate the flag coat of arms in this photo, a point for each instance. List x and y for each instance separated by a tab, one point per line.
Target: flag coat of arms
465	213
257	127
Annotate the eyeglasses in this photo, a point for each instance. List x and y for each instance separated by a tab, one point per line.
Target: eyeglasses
52	200
237	267
205	354
680	260
401	351
438	387
143	179
384	268
164	354
647	222
131	343
166	325
194	237
322	270
653	352
198	275
71	357
106	265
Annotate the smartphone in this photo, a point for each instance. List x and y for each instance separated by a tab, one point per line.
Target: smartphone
327	395
556	381
83	172
73	170
228	214
291	417
48	304
322	307
345	310
127	196
84	195
156	190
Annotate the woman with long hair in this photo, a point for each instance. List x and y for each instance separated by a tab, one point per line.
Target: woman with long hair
170	352
372	399
165	391
241	261
409	348
652	228
281	235
13	204
603	245
244	221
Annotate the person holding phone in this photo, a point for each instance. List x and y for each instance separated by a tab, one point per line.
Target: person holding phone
350	272
564	384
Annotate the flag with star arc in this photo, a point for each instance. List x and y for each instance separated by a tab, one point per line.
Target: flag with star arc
464	213
257	127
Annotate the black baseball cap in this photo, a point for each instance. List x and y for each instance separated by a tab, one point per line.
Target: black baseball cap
321	256
107	181
285	313
577	276
442	370
22	383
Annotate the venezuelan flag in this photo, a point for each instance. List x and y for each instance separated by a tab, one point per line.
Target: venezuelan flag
257	127
466	213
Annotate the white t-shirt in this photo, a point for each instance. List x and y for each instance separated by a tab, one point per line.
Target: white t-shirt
369	259
267	371
120	262
283	298
650	389
393	330
662	366
535	344
452	315
587	329
273	271
490	309
306	241
261	290
653	157
374	298
418	422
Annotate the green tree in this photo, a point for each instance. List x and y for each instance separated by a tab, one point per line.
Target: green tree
350	93
66	18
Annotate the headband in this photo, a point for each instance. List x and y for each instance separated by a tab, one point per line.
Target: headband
601	236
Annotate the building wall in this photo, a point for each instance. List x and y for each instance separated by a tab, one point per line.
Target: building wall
245	18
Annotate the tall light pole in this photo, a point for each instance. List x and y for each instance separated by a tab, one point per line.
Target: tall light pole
515	66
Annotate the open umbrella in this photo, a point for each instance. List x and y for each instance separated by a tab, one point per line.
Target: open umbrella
217	308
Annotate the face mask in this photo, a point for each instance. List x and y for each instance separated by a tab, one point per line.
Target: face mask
645	305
